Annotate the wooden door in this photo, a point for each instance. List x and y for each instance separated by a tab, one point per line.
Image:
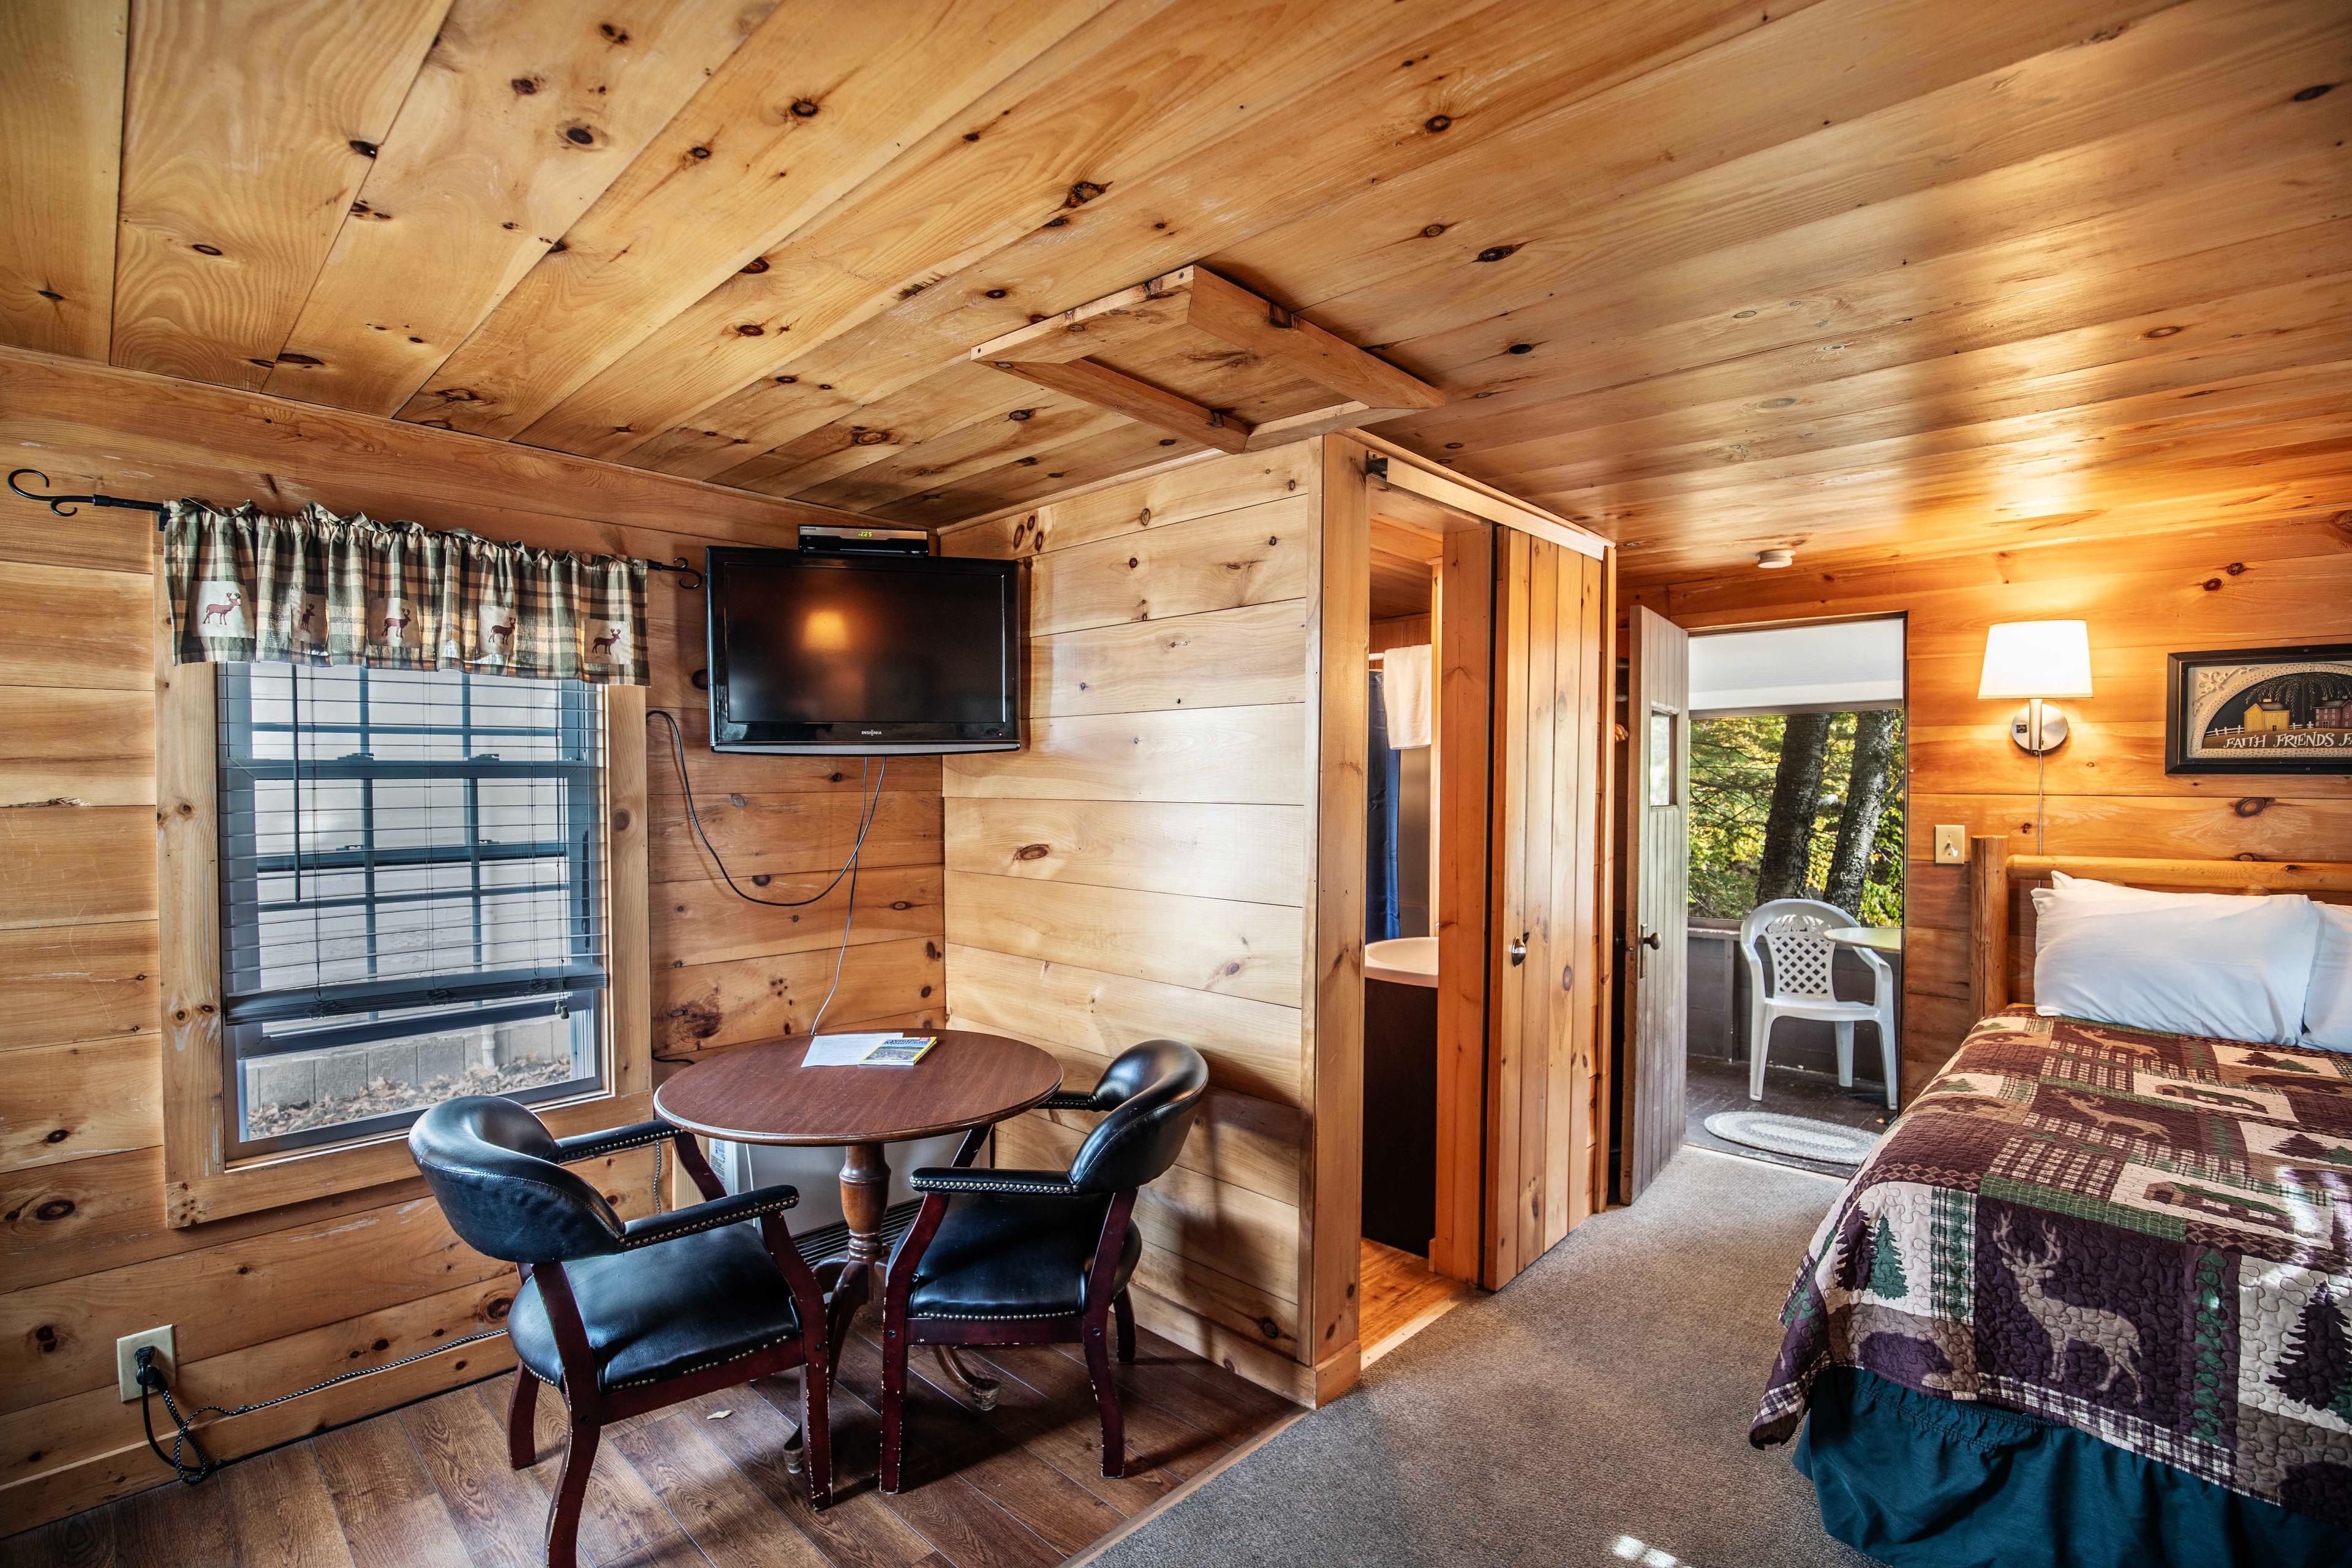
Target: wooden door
1544	960
1657	896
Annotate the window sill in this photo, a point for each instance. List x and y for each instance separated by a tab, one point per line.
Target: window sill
272	1181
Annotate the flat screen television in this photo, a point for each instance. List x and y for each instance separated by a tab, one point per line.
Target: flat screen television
863	655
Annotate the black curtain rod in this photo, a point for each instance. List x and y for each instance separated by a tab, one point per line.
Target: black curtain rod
64	507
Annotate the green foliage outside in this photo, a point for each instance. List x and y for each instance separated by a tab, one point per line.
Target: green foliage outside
1731	768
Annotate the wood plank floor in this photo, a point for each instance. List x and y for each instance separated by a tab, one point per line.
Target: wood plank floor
1398	1296
701	1485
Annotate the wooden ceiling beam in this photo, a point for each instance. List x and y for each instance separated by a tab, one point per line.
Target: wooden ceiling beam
1349	415
1233	314
1106	388
1060	352
1098	326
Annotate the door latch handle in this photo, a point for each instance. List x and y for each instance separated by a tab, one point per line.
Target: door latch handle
1649	940
1519	950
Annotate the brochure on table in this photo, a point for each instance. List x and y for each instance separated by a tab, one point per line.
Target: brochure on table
866	1050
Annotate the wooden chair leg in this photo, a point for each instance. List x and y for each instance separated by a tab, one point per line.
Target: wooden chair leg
563	1514
522	1439
817	1430
1114	1433
894	1403
1122	1311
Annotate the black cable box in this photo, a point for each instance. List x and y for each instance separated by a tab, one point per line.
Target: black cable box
827	539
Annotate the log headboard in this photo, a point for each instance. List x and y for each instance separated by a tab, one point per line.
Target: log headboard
2001	929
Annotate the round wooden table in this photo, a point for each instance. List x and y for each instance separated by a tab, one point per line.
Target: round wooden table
765	1094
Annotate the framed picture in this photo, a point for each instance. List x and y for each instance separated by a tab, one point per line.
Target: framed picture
2260	711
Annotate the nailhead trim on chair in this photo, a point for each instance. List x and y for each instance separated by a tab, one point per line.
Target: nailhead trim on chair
968	1185
596	1151
982	1317
773	1205
705	1366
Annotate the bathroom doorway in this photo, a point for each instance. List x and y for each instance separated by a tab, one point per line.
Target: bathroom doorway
1484	959
1400	1293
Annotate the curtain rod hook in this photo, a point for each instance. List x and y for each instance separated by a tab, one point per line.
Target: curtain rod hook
56	503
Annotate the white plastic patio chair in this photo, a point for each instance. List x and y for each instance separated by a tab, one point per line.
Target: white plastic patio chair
1790	930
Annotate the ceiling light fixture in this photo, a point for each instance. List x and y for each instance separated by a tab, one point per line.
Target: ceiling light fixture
1773	560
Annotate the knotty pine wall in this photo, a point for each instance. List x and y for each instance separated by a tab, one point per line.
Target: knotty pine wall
269	1302
1140	868
2250	583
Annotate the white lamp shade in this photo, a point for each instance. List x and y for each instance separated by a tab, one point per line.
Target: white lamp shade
2037	658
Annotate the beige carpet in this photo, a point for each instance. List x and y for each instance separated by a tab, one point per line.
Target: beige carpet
1595	1411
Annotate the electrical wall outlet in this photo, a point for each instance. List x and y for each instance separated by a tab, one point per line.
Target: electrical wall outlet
1951	844
126	1358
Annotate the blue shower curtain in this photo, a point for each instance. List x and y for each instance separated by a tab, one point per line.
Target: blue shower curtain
1382	781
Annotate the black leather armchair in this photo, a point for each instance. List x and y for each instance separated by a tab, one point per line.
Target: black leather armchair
623	1318
1026	1258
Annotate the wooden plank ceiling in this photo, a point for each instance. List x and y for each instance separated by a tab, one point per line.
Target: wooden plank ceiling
1862	277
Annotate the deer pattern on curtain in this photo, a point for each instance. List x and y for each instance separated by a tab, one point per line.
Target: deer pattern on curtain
316	588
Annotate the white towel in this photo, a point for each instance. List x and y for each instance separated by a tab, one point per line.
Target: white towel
1405	692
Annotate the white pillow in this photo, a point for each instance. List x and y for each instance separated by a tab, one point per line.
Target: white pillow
2327	1011
2073	894
2235	966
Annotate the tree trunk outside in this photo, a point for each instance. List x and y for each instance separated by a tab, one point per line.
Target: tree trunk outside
1865	802
1796	798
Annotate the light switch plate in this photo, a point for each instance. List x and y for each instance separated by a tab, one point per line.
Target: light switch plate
126	1358
1951	844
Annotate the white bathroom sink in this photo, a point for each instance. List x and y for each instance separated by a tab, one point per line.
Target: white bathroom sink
1404	960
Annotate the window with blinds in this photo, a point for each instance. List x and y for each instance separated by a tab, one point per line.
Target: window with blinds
412	899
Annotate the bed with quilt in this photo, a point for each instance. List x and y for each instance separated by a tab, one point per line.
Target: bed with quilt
2088	1302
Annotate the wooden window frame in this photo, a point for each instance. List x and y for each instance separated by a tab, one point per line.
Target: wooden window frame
200	1182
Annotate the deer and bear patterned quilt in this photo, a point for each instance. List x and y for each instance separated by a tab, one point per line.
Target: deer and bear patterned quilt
2145	1236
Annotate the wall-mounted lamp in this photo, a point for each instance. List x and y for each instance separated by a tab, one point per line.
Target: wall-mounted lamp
2037	660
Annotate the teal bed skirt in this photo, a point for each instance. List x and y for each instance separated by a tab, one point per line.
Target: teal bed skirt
1921	1482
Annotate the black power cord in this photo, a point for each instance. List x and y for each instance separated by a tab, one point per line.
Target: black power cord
151	1383
869	802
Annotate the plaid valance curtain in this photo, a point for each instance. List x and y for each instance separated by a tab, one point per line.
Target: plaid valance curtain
316	588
